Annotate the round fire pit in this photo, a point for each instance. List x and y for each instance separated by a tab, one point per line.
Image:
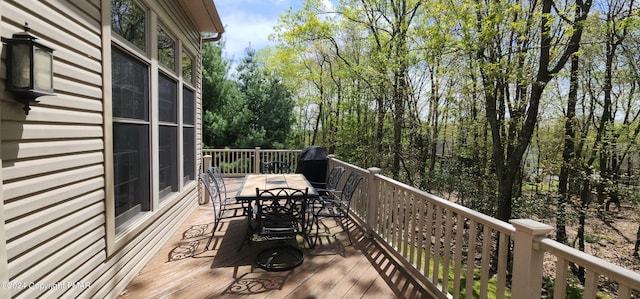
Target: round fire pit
280	258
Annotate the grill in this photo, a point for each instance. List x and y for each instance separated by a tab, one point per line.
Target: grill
312	163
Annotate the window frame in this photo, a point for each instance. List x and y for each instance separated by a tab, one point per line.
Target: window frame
123	42
176	43
163	123
122	219
118	236
184	126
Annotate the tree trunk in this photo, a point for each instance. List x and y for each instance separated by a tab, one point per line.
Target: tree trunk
377	159
509	148
636	248
567	154
505	190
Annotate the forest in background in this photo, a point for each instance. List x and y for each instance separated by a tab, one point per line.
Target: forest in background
517	109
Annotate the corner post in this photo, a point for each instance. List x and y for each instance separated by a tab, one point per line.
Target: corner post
206	163
372	205
330	163
527	258
257	161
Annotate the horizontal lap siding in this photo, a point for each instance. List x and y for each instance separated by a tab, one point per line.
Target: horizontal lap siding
52	159
127	262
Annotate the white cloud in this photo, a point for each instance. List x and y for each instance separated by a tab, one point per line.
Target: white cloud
248	23
243	30
328	4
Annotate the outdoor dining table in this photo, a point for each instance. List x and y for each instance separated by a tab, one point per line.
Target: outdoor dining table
278	257
247	191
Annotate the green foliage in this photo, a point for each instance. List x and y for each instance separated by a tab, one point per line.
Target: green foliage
223	115
574	289
268	102
256	110
491	284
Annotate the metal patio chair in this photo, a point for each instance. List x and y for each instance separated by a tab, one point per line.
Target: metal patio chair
281	214
269	167
332	181
223	207
336	205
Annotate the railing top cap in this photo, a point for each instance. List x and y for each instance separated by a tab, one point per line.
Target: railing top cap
531	226
374	170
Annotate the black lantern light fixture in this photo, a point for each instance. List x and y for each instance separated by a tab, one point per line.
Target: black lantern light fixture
29	68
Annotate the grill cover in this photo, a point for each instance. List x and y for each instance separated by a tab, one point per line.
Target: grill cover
312	163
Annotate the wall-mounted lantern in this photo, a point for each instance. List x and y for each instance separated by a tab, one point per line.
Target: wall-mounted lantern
29	68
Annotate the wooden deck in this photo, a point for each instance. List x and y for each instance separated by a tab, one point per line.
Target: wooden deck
333	269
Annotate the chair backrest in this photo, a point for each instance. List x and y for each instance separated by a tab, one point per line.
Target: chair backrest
216	175
281	204
334	177
276	167
212	189
350	186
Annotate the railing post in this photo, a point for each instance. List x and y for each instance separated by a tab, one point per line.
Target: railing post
372	207
330	158
527	258
206	163
256	165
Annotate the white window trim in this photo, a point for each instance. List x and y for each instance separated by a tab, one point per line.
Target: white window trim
128	231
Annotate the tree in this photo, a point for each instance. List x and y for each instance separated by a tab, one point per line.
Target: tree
267	103
222	111
504	46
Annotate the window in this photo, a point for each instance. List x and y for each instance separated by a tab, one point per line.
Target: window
188	135
150	129
130	95
168	145
128	21
166	49
130	86
187	68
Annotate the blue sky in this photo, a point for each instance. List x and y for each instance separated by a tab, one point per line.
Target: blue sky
249	22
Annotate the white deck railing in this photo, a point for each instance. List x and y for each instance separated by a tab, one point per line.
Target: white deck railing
238	162
442	244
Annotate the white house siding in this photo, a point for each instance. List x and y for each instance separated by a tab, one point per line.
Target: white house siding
53	173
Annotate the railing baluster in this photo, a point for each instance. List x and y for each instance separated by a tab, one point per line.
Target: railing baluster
458	255
230	161
471	254
447	250
486	261
624	292
560	284
388	212
429	249
503	250
406	223
400	221
394	219
436	244
413	239
245	163
382	205
421	239
590	284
